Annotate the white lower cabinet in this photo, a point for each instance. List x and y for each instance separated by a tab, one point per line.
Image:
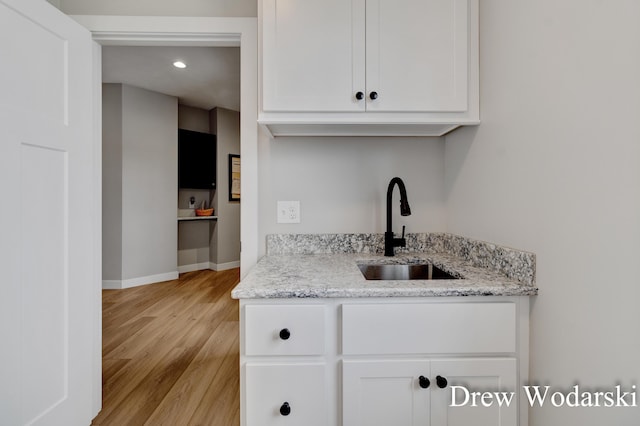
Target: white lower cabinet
286	394
420	392
384	362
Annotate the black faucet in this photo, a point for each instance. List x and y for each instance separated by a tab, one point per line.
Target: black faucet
389	241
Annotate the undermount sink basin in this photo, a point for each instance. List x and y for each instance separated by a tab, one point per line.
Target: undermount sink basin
404	272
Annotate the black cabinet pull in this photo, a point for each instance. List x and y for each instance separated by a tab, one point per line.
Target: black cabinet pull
441	382
359	96
424	382
285	409
285	334
373	95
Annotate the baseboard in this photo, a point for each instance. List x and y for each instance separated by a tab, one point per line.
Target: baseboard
194	267
134	282
111	284
224	266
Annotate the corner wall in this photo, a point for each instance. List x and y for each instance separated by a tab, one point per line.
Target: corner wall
225	241
112	182
554	168
147	190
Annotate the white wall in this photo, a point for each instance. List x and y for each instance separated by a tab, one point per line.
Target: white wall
554	168
222	8
341	183
225	242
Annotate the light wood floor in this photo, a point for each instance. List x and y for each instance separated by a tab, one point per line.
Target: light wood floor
170	353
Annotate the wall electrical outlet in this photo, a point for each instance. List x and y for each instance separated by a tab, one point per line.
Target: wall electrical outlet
288	211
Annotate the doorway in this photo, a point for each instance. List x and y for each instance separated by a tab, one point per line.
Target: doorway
185	149
182	31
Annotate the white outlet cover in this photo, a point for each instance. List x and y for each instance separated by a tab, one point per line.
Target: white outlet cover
288	212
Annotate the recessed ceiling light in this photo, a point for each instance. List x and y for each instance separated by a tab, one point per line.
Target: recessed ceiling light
179	64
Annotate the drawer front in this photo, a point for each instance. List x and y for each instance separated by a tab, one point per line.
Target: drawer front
429	328
286	394
284	329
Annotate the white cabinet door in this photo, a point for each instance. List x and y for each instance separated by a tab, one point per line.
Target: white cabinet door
47	174
313	55
474	375
417	57
286	394
383	393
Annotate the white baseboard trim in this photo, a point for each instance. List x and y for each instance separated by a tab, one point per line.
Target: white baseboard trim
224	266
194	267
111	284
134	282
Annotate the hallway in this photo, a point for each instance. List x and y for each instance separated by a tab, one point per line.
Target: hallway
170	353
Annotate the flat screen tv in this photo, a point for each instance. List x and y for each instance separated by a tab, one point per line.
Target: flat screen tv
196	160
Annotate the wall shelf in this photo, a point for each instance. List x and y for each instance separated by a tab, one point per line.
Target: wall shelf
181	218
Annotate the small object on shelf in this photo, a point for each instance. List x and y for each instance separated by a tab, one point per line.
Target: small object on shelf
204	212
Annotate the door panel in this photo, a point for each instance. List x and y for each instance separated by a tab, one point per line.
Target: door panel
417	55
44	352
313	55
46	180
383	393
475	375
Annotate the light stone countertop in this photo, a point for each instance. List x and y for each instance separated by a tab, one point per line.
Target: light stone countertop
336	274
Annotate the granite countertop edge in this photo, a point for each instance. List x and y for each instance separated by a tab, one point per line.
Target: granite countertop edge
336	275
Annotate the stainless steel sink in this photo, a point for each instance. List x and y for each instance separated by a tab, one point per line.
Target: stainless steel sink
404	272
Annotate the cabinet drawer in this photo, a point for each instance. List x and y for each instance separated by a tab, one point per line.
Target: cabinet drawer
302	387
429	328
284	329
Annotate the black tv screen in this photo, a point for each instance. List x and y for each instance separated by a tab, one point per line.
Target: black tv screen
196	160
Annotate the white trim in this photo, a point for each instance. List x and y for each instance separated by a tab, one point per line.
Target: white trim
151	39
111	285
198	31
194	267
224	266
97	229
135	282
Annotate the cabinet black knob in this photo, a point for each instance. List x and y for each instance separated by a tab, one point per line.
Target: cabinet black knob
441	382
285	334
373	95
285	409
424	382
359	96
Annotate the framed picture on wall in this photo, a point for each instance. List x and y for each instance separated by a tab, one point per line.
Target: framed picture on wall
234	177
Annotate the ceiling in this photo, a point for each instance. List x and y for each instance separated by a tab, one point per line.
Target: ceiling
211	79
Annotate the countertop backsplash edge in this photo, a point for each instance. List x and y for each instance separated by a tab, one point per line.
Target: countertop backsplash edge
516	264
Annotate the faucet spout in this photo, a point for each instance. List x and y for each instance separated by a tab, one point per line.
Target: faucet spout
389	241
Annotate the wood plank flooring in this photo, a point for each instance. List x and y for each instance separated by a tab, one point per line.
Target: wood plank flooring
170	353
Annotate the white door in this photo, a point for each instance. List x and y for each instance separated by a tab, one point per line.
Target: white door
383	393
475	375
46	216
417	55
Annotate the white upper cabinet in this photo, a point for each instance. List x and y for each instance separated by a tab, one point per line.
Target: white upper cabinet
368	67
417	55
313	55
